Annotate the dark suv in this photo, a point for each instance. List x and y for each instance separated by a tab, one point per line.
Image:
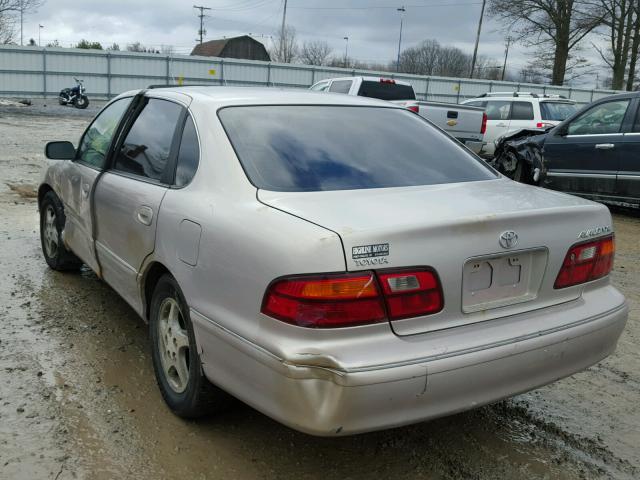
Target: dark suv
595	153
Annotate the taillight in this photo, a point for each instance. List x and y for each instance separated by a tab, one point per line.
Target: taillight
586	261
387	80
414	108
483	128
543	125
411	293
350	299
324	301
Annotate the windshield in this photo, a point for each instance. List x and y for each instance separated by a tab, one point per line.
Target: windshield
300	148
557	111
386	91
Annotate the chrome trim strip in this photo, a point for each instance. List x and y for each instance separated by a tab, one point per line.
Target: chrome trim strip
595	135
629	177
582	175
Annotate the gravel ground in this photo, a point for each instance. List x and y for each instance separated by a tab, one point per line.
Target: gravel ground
78	398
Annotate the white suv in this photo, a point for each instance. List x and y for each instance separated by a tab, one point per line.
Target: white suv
511	111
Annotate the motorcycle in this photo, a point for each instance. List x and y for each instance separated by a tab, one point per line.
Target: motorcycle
74	96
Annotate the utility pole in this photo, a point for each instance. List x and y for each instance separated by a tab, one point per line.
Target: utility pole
401	10
475	50
40	27
21	19
506	54
346	51
202	31
282	39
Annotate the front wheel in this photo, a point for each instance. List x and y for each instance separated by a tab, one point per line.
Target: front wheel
176	362
82	102
51	224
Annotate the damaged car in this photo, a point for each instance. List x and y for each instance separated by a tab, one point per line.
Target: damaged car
337	262
595	153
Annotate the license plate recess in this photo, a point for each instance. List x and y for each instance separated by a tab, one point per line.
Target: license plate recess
499	280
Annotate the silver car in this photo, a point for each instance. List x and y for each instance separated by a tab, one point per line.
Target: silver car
336	262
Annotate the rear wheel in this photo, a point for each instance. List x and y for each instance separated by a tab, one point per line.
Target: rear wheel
176	362
52	221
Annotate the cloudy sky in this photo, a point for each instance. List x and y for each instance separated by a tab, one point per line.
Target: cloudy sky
371	25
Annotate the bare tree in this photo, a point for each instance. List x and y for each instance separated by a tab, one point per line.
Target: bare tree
551	25
618	23
431	58
284	48
315	53
10	13
7	30
167	49
138	47
634	53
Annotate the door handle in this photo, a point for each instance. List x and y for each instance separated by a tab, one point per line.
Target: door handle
605	146
144	215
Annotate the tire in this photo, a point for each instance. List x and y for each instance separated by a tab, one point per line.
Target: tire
82	102
176	362
521	172
52	220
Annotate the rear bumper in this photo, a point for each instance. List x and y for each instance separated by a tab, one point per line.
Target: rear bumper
334	401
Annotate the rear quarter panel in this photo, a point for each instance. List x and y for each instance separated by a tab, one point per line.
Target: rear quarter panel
243	245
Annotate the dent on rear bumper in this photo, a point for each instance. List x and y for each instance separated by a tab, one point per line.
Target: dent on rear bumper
317	394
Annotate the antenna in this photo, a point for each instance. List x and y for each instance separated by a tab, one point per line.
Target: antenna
202	32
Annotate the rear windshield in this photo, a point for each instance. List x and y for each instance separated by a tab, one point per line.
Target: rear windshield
305	148
557	111
386	91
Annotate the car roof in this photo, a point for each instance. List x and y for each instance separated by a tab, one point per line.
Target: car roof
223	96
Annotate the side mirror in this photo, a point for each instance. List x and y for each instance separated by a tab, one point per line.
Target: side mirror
60	151
562	130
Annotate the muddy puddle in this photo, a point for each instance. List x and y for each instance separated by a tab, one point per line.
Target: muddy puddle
78	397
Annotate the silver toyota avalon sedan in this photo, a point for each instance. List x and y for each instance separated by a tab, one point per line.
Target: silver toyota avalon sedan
336	262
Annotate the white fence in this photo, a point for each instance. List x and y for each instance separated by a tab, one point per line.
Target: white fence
34	71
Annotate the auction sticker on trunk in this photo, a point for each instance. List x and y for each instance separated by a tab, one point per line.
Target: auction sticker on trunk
367	251
365	255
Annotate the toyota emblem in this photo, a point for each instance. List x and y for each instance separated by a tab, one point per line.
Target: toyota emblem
508	239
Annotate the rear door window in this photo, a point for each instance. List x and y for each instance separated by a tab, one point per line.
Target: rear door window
340	86
522	111
320	87
147	147
291	148
386	90
498	110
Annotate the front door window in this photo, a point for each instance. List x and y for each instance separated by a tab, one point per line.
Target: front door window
97	139
605	118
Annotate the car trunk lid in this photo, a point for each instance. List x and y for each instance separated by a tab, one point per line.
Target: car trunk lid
466	232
